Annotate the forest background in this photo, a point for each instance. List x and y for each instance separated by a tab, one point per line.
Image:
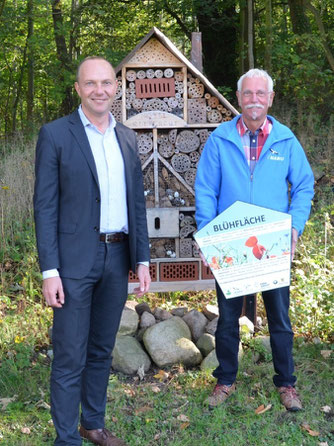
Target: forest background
41	43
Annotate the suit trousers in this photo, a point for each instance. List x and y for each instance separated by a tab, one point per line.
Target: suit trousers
84	333
281	336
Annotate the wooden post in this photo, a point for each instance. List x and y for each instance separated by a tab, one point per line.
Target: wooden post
196	51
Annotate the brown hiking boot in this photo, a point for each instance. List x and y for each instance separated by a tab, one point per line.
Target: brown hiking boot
220	393
289	398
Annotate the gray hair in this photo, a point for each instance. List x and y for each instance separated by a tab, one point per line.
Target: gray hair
255	72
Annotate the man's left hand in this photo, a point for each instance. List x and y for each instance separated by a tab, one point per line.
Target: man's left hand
294	240
143	274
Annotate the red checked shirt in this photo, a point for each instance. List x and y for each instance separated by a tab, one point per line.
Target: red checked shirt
253	142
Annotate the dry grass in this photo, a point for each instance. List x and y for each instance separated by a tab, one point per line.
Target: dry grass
16	187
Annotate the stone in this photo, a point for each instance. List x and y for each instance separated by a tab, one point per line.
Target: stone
180	312
129	356
147	320
246	326
196	322
206	344
210	311
212	326
161	314
129	322
210	362
169	343
140	308
140	334
131	304
265	342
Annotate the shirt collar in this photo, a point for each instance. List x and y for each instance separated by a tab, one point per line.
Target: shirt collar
86	122
242	127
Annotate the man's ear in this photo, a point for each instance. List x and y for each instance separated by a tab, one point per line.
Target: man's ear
271	98
77	88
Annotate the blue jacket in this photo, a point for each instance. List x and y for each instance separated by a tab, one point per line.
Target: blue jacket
282	179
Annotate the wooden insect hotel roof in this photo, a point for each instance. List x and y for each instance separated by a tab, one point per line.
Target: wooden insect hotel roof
173	108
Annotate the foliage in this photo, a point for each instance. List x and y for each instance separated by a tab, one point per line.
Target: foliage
299	62
312	287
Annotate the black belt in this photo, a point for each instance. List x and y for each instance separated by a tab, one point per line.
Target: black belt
113	237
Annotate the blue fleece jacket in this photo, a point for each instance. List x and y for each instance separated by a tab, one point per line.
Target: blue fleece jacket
282	179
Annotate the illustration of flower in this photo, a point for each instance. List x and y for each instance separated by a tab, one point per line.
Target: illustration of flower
258	250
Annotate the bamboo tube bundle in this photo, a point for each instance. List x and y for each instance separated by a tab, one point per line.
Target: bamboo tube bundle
214	116
155	104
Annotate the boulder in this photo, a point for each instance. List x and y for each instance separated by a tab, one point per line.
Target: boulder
180	312
129	356
140	308
161	314
196	322
129	322
147	320
210	311
246	327
169	342
212	326
131	304
211	361
206	344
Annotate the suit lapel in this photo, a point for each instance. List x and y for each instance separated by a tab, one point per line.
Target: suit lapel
79	133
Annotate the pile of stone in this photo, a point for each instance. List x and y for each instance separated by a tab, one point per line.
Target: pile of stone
167	338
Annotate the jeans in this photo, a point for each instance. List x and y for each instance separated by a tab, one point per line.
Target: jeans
281	336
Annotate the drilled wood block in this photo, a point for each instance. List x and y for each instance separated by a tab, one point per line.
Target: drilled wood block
186	247
197	111
187	141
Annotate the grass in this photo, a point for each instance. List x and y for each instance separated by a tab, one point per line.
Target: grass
171	412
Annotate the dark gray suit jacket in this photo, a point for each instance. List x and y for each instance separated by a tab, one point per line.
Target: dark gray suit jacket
67	198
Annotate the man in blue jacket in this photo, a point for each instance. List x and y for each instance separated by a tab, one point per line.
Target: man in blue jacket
255	159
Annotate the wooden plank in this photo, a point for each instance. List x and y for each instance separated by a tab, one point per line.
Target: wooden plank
123	94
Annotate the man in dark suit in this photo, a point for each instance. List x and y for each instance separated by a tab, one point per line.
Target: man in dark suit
91	229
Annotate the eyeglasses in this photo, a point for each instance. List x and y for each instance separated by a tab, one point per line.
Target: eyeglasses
259	94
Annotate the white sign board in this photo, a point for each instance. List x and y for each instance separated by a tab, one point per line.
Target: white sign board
248	249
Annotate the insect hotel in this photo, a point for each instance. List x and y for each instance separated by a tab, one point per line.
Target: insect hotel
173	109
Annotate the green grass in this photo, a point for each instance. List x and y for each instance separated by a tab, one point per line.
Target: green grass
151	412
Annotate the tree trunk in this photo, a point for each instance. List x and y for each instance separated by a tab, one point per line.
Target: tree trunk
269	36
219	35
250	34
62	55
30	56
299	20
19	88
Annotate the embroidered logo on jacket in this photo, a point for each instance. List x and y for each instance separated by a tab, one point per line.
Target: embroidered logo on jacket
274	156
